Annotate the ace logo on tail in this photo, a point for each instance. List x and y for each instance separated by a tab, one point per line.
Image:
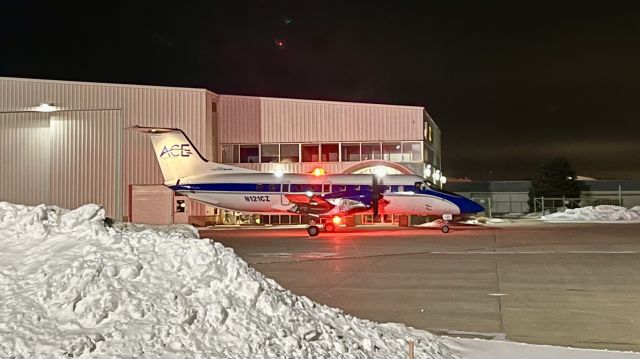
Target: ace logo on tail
177	150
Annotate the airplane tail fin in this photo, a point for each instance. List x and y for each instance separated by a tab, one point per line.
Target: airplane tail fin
179	158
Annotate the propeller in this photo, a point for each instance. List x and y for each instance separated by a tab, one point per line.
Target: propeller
376	196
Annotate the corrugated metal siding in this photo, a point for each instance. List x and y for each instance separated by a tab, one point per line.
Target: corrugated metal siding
317	121
84	159
150	106
239	119
24	158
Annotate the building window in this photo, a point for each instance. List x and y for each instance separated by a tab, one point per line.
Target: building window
430	156
430	134
269	153
249	154
230	154
290	153
350	152
310	153
391	151
329	152
412	152
371	151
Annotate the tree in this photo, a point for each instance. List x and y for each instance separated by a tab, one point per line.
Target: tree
556	179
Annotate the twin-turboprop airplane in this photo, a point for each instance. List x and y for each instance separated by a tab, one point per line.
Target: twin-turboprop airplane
331	196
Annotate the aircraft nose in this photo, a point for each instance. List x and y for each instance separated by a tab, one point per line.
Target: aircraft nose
468	206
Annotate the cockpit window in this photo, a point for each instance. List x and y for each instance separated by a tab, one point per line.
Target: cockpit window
435	188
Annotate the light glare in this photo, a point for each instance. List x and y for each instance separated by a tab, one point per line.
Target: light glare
46	107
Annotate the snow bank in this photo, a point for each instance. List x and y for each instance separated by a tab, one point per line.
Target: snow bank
72	287
602	214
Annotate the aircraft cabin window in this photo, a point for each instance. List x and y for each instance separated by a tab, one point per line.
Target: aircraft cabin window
259	187
296	188
316	188
272	188
285	187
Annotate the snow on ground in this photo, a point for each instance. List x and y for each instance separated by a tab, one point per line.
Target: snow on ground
72	287
477	221
598	214
485	221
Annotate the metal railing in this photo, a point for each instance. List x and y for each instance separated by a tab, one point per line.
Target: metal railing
540	204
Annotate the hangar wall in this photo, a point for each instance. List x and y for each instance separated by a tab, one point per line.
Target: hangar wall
276	120
92	116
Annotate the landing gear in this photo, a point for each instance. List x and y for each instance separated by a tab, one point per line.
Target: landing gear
313	230
445	225
329	227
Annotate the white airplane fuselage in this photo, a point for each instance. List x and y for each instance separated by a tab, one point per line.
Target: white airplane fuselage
266	193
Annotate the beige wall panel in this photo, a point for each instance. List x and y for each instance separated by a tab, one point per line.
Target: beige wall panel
24	158
84	147
239	119
285	120
151	204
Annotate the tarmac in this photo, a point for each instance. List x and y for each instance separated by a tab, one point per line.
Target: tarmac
572	285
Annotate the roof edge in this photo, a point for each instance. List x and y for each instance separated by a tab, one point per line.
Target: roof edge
421	108
107	84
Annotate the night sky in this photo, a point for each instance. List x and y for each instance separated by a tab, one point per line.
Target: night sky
511	84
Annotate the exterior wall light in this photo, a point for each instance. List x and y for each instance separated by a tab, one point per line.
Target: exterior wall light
436	176
427	171
380	171
46	107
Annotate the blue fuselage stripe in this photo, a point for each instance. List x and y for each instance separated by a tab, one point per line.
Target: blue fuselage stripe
466	205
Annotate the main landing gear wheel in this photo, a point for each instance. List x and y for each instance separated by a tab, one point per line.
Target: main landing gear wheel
445	229
313	230
329	227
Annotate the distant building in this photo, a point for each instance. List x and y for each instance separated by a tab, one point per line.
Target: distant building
512	196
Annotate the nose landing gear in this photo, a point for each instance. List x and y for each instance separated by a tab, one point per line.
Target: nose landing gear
445	225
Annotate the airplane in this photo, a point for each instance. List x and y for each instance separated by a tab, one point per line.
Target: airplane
320	196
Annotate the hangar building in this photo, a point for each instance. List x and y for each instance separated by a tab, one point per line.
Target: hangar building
65	143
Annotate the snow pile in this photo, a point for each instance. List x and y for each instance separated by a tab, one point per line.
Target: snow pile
72	287
485	221
602	214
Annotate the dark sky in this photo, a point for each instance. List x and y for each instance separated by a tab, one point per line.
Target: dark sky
510	83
